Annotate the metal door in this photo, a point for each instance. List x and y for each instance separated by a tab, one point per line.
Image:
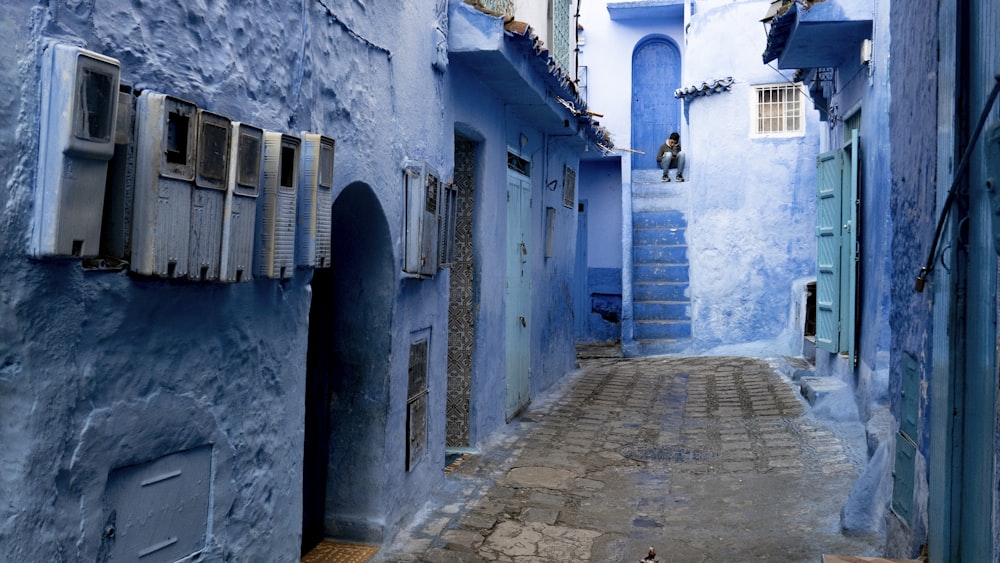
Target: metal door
518	305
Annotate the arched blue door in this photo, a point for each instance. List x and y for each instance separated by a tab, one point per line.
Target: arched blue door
656	73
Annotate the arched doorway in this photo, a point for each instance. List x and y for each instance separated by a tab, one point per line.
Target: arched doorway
347	375
656	73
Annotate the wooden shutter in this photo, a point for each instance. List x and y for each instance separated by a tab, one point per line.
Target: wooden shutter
828	254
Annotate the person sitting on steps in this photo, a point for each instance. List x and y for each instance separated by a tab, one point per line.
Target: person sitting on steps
671	156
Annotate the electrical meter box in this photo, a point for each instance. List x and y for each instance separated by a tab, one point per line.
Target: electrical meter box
239	217
275	233
420	190
209	196
165	137
79	108
116	230
312	236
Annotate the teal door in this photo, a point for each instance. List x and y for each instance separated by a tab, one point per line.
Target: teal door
828	209
837	248
518	304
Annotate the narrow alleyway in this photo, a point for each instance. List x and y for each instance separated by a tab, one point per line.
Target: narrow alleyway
707	459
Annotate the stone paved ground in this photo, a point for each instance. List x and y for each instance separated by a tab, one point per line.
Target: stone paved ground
708	459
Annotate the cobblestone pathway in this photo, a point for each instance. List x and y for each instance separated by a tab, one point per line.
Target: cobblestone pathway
707	459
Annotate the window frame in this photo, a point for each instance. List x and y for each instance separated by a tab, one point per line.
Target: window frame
755	111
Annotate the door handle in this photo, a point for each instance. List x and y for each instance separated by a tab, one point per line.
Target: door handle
524	323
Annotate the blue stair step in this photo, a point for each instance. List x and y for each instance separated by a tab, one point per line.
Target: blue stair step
661	311
660	291
662	236
661	330
661	254
659	220
660	272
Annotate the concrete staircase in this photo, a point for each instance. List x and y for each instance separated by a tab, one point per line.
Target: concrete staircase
661	307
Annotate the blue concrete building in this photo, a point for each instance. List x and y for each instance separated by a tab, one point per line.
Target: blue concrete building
261	265
719	264
908	90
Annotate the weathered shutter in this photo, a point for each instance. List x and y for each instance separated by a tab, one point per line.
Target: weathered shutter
828	255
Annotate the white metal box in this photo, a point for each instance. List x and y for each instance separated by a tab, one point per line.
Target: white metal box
240	214
209	196
79	107
420	191
164	181
275	233
312	238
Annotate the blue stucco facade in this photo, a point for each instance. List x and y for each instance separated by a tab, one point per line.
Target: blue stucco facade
925	327
748	205
103	372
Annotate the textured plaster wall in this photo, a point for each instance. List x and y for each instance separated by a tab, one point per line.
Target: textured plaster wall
751	230
100	370
913	135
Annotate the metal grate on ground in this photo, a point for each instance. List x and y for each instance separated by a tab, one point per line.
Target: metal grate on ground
334	552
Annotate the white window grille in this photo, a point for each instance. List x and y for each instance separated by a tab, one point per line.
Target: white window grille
778	111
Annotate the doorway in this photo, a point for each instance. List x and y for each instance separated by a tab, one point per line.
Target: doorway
347	375
656	73
518	304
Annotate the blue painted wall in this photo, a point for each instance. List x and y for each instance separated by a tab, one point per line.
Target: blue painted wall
867	87
483	113
912	204
99	370
751	206
600	186
751	231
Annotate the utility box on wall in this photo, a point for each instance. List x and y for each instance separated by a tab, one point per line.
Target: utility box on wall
239	216
209	196
76	140
158	511
275	236
165	170
420	190
312	237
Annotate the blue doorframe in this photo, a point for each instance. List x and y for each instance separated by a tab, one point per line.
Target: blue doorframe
656	73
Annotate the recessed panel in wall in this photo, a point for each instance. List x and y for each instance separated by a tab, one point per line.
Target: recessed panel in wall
157	512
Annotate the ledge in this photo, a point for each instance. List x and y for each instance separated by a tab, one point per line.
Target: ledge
646	9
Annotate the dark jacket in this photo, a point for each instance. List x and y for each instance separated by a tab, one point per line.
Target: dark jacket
664	149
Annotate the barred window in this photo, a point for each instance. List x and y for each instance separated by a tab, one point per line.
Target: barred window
778	110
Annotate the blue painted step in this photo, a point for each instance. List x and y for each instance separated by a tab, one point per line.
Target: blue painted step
660	272
661	330
659	310
660	254
660	291
659	220
663	236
